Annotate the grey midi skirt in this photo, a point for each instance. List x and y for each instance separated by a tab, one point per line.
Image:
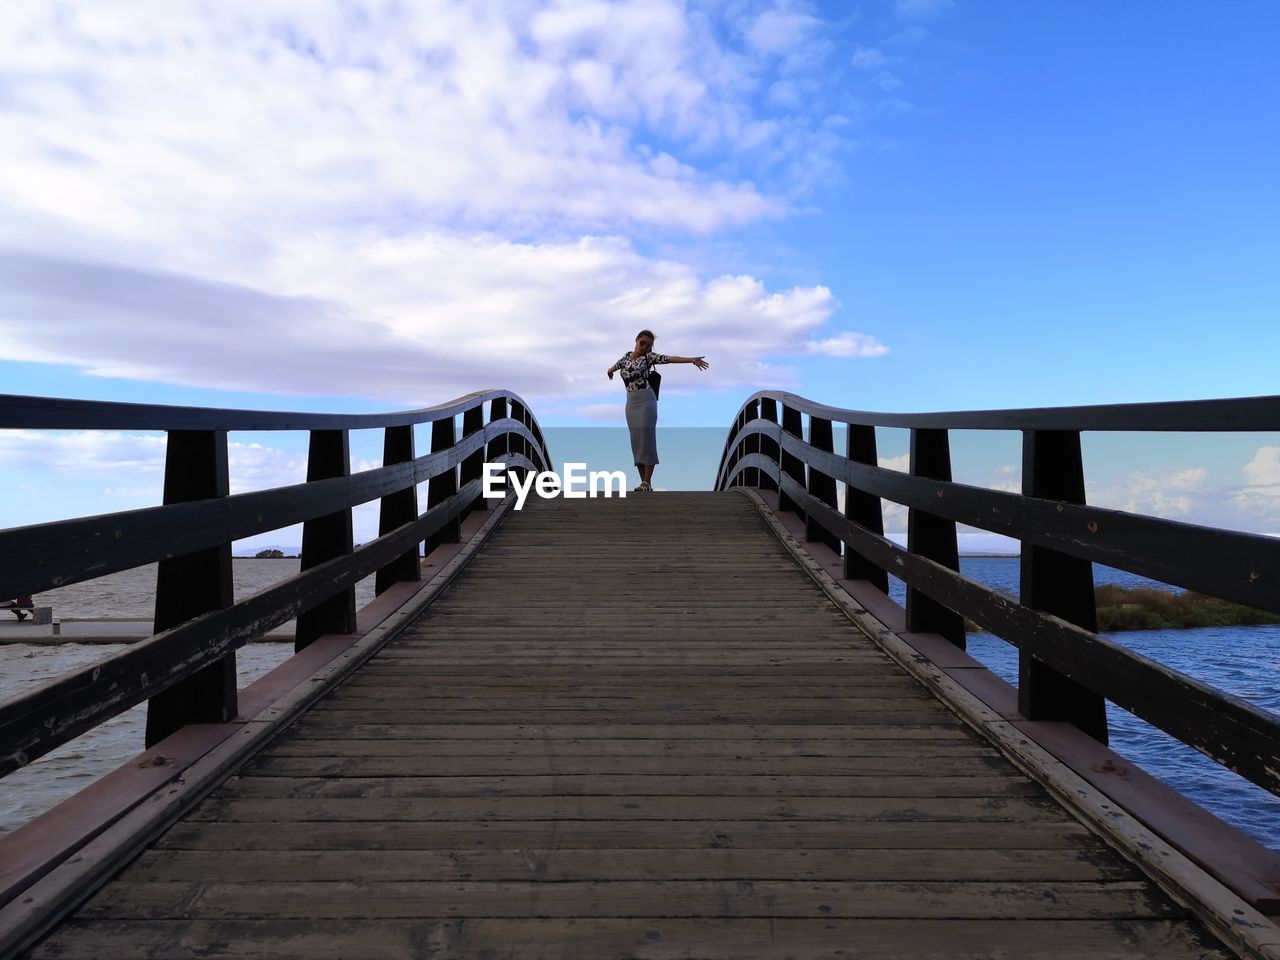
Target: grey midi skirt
642	421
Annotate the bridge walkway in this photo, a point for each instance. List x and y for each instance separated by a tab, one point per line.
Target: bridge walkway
630	728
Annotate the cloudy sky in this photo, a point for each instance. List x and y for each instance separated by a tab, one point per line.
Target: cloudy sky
892	205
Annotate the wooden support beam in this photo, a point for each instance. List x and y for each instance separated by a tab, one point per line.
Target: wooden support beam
791	465
864	509
325	538
932	537
195	468
397	509
821	486
518	443
769	446
473	466
751	477
444	485
1053	469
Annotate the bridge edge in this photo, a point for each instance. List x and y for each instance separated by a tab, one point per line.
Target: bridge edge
1240	926
36	911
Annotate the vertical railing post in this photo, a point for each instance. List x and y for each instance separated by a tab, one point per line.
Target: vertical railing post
501	445
768	445
473	466
726	454
752	443
862	508
792	466
932	537
327	537
731	449
739	449
443	485
498	446
535	452
518	443
396	509
821	486
1053	469
195	468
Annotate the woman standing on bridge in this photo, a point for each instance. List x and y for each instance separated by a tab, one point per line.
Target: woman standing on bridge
642	400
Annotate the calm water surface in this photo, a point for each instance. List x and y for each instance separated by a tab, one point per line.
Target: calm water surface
1240	660
1244	661
130	594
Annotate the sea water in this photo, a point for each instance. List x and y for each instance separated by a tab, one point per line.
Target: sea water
1238	660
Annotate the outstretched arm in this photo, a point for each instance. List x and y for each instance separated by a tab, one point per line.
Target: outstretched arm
698	362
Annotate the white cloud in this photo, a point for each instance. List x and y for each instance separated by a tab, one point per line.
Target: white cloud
503	113
406	320
779	31
1264	468
397	200
901	463
847	344
253	466
114	454
108	455
895	515
1261	492
1159	491
1012	479
82	451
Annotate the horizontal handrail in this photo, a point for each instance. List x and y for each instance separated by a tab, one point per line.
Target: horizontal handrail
186	670
52	413
58	711
48	555
1226	728
1067	670
1249	414
1233	565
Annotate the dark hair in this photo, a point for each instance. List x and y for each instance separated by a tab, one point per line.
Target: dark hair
646	333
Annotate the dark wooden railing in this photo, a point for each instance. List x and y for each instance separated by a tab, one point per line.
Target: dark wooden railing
187	669
1066	670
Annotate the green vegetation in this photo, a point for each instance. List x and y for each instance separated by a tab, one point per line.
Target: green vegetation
269	555
1148	608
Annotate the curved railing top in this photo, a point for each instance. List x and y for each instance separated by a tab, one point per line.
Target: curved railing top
1246	414
52	413
198	620
1070	670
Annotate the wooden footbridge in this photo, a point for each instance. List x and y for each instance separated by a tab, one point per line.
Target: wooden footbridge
665	725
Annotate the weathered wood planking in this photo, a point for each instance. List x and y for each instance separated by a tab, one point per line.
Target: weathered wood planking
747	938
624	759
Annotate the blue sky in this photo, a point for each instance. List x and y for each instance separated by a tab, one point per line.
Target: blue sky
893	205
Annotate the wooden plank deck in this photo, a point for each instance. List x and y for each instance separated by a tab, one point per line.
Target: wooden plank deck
631	728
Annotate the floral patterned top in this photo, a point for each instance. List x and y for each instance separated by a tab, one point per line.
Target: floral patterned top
635	373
